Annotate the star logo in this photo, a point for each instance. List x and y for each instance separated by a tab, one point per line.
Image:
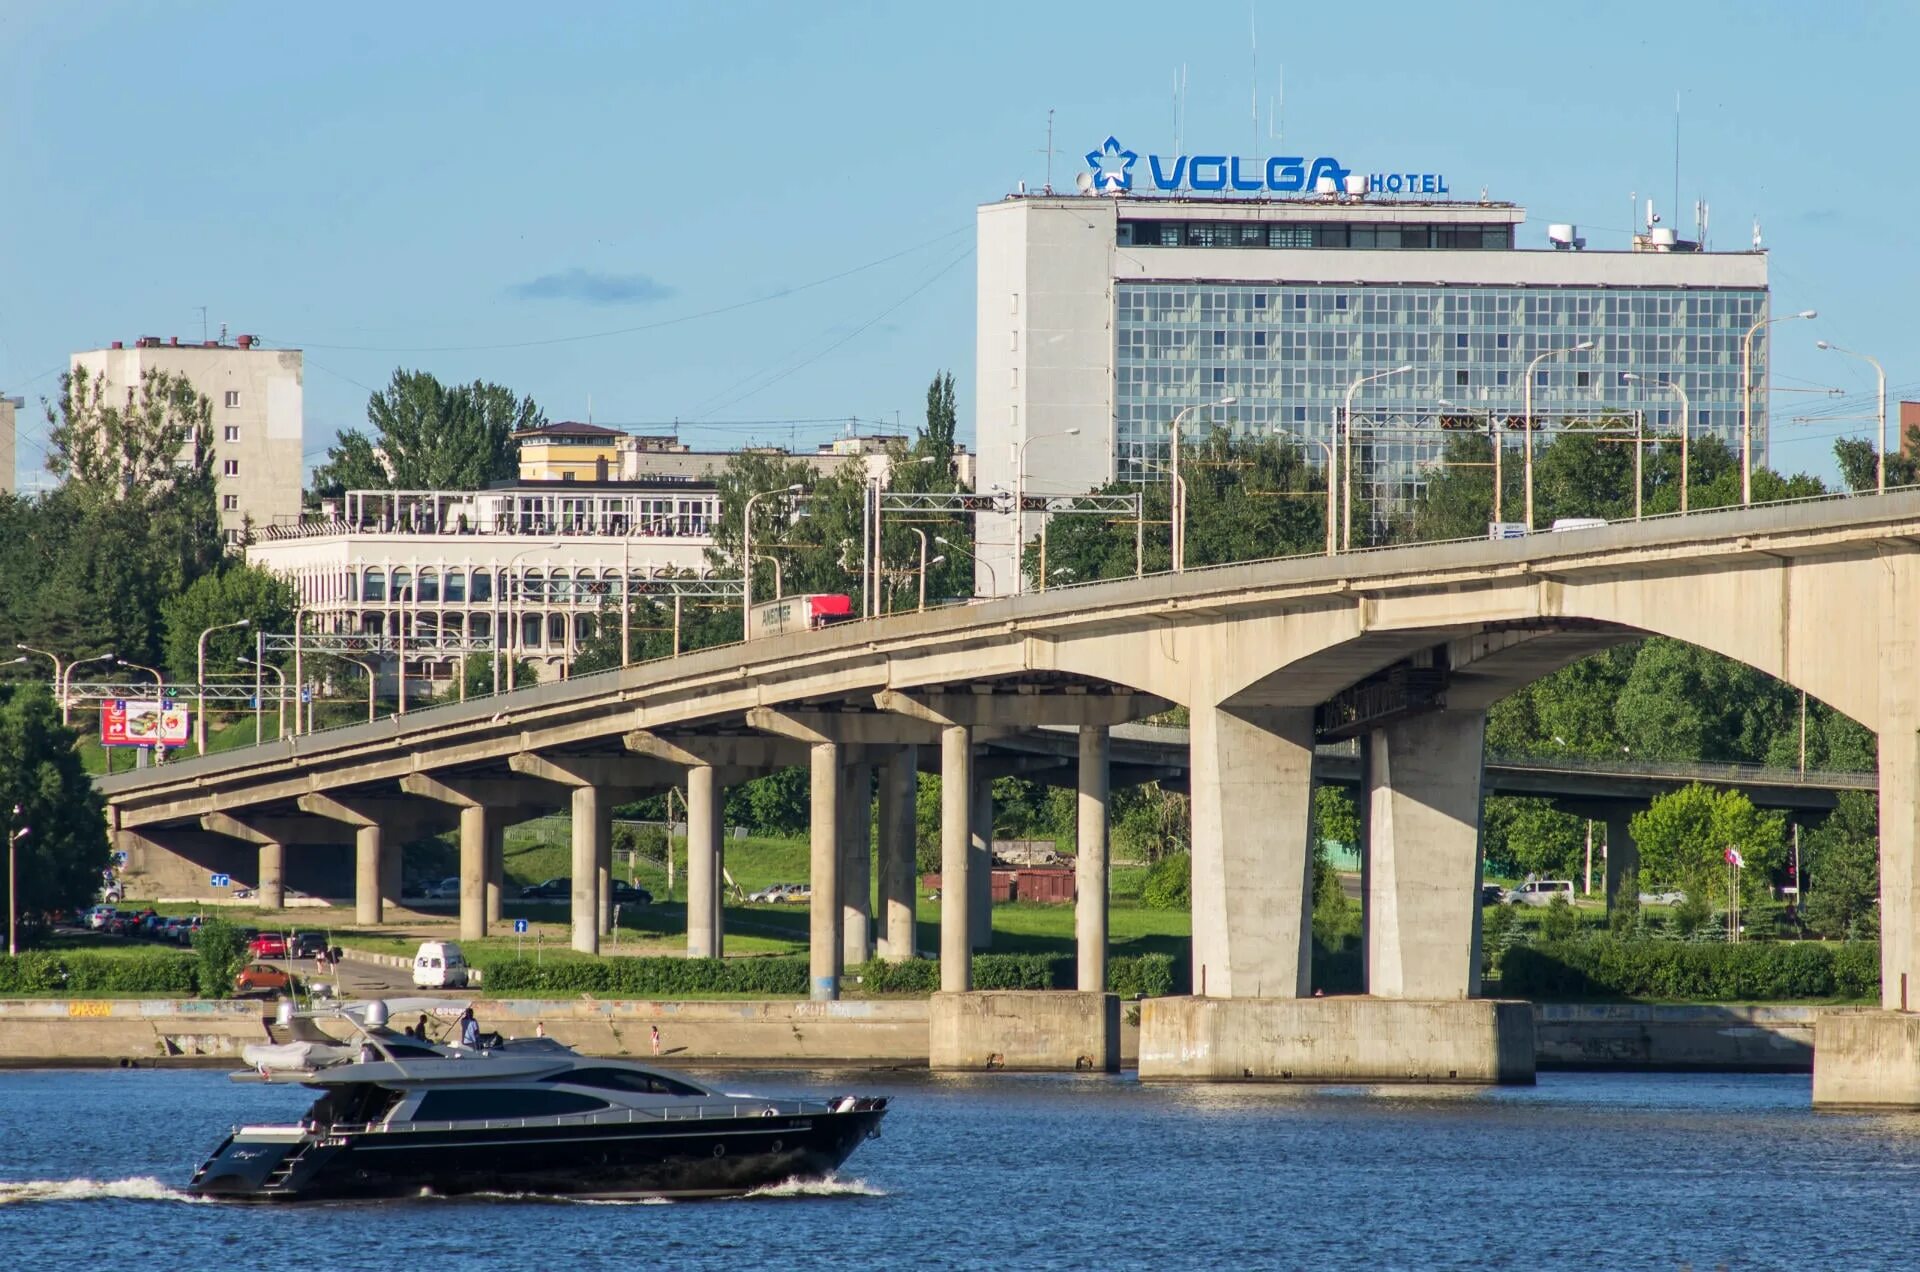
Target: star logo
1112	167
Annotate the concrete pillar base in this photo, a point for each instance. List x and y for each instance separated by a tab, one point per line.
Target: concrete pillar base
1024	1029
1475	1041
1866	1058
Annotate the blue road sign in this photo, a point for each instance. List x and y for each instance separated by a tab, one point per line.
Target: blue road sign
519	925
220	881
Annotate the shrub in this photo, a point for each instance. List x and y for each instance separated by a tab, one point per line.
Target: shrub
1560	922
908	976
1140	975
82	973
1749	971
222	953
1021	971
647	977
1169	885
1623	917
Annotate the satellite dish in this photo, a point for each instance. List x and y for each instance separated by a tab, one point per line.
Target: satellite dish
1083	182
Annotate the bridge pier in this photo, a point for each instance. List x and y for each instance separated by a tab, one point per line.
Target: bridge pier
979	878
1623	854
496	868
584	834
856	865
272	882
823	938
1090	860
956	808
703	863
476	834
369	855
1423	882
899	783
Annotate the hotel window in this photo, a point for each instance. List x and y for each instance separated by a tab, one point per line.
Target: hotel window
232	398
1460	378
229	503
230	468
231	433
1289	236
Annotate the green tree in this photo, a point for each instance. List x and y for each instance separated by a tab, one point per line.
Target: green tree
1684	836
239	591
1681	702
1336	819
937	439
223	952
1841	860
1858	458
429	436
65	848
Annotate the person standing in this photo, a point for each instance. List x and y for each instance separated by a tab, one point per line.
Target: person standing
656	1040
469	1030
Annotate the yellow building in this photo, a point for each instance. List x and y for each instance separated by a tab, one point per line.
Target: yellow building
569	451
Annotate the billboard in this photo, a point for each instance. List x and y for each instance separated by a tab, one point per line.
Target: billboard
136	722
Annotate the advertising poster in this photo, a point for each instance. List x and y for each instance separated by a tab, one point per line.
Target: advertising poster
137	722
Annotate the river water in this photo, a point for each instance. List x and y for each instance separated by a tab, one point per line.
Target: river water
1589	1171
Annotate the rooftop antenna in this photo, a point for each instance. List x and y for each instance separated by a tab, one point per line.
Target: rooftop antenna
1700	215
1049	152
203	322
1179	107
1278	133
1674	207
589	408
1756	234
1253	62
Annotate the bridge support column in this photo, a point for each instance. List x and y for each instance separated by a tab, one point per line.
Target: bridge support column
823	938
273	876
703	853
1090	860
496	867
1623	854
956	800
587	812
367	874
1252	788
898	827
856	866
980	865
475	835
603	864
1423	786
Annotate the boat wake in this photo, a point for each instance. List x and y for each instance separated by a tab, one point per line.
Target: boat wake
140	1188
830	1186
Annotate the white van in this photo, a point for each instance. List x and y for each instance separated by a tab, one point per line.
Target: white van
439	965
1532	892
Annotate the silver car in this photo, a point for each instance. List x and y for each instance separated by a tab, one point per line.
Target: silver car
1540	892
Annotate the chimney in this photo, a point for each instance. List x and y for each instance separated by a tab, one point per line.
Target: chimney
116	344
245	342
174	341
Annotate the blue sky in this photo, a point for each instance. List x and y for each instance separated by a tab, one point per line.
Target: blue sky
483	190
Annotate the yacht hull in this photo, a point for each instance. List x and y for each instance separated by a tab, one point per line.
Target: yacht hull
704	1157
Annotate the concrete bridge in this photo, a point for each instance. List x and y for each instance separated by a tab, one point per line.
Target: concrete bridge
1403	649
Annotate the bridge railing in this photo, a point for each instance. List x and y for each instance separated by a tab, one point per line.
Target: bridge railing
961	602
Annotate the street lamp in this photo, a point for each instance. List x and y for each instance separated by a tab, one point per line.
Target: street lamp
1527	390
66	685
13	884
1686	425
368	668
1020	492
1746	398
200	681
1327	450
159	681
1880	464
993	581
1493	437
922	536
872	544
58	680
507	590
1346	462
746	554
1178	497
259	705
779	587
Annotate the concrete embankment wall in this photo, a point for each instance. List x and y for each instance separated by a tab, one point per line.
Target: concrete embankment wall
1567	1036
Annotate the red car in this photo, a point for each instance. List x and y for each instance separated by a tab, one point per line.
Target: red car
269	945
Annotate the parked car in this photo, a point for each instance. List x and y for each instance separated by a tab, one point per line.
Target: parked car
98	916
1492	894
1541	892
798	892
1672	897
268	945
439	965
260	978
550	890
628	894
772	892
447	889
307	945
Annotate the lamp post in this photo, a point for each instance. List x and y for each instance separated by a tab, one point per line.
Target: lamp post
1346	461
57	678
746	554
1746	398
200	681
1686	425
1880	464
939	560
66	684
1527	390
1020	492
922	534
159	681
1179	493
281	714
779	587
13	884
993	580
371	683
1327	450
1493	438
873	546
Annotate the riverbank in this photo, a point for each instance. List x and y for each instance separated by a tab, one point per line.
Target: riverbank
51	1032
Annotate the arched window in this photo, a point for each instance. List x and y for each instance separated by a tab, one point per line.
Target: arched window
530	627
482	585
456	586
430	586
402	583
481	628
583	628
533	586
373	586
557	631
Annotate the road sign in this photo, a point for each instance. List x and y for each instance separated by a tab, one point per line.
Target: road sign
220	881
519	925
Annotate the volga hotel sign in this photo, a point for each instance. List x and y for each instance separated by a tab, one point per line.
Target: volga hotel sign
1112	168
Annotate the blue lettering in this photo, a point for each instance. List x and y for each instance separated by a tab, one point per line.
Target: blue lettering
1217	166
1441	181
1286	174
1377	181
1241	183
1161	181
1325	167
1426	183
1394	182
